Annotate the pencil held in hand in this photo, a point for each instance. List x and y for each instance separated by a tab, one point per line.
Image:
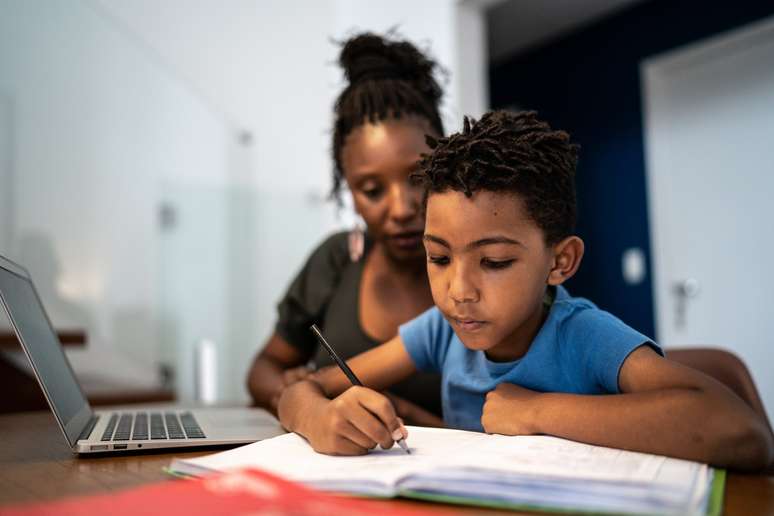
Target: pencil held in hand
399	433
399	436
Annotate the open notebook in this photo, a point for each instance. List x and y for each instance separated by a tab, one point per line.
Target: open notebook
532	472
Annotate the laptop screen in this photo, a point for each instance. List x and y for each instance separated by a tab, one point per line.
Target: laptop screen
43	348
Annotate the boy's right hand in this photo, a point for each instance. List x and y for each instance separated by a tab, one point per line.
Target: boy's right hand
355	422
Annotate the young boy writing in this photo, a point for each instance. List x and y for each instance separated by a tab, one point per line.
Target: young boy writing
517	353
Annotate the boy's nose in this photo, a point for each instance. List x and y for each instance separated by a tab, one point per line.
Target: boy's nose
461	289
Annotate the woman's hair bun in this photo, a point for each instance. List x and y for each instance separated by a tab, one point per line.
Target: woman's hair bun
368	56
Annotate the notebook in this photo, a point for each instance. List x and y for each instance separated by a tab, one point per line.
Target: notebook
90	431
456	466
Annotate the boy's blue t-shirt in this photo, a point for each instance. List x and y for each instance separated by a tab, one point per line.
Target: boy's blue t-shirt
579	349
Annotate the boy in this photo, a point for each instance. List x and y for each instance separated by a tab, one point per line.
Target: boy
519	355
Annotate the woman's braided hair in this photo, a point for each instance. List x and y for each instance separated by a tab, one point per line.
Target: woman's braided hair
509	152
387	79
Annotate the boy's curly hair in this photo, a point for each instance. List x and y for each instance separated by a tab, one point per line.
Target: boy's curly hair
509	152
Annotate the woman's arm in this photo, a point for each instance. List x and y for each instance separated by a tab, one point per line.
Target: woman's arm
281	362
357	418
278	365
665	408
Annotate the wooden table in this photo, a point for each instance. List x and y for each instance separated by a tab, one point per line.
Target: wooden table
78	338
36	465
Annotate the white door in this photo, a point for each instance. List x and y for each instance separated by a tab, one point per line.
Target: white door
709	126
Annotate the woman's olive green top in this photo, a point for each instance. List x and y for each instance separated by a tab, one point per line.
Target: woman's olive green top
326	292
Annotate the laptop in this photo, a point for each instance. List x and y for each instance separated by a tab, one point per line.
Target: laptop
90	431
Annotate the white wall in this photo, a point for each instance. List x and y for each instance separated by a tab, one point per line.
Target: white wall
221	111
263	65
97	128
472	70
267	68
6	162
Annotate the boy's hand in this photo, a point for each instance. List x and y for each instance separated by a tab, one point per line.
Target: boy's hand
509	410
355	422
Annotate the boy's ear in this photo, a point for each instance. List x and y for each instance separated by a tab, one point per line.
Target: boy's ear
568	254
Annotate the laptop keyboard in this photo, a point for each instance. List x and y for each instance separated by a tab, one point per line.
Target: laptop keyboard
154	425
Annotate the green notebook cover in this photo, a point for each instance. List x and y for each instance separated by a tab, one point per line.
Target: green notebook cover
714	503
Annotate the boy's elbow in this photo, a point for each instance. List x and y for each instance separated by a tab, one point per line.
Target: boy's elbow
761	442
752	446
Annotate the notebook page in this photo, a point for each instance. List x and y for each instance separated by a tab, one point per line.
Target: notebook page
552	456
552	472
292	457
441	449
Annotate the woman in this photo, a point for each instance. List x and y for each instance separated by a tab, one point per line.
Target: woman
359	287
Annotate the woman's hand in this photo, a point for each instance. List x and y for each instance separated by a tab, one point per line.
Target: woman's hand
353	423
413	414
289	377
509	410
294	374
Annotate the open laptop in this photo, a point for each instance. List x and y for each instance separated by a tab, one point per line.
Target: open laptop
89	431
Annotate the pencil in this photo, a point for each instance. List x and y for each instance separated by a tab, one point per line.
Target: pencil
347	371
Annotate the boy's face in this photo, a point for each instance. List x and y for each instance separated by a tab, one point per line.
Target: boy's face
488	266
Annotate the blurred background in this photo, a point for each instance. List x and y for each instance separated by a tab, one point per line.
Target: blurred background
164	166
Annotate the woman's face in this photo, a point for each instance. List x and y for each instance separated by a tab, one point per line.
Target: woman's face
377	160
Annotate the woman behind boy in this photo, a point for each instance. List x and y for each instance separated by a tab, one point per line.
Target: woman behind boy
360	287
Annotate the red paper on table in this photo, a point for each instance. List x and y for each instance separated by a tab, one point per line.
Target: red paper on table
249	492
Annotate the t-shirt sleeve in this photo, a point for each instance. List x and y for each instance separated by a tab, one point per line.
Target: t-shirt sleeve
426	339
310	292
598	344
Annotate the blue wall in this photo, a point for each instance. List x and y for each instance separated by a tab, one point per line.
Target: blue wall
588	83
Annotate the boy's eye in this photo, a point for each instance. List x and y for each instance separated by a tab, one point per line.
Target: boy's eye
496	264
438	259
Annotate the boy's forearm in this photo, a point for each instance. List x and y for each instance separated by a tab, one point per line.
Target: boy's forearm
298	405
684	423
